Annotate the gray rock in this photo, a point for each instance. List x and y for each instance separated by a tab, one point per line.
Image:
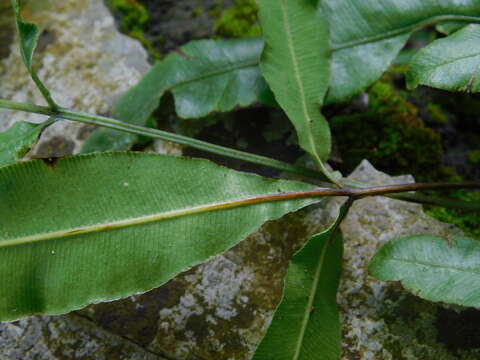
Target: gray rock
381	320
179	21
84	61
64	337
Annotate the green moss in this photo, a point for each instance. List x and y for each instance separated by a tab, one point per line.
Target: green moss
448	174
134	16
410	323
467	221
196	12
133	19
391	135
415	329
240	20
437	114
474	157
397	70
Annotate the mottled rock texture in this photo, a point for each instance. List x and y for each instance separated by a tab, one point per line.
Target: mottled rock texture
81	58
175	22
64	337
381	320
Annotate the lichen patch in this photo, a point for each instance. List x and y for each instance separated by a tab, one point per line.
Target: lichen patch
82	59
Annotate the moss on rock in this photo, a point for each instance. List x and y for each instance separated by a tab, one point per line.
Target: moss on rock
133	18
416	329
437	114
391	134
467	221
474	157
238	21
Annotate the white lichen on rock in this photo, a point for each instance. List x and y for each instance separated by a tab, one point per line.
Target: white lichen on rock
64	337
84	61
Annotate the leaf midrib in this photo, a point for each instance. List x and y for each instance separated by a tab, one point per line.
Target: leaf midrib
296	71
349	44
222	71
409	28
443	267
141	220
448	62
311	298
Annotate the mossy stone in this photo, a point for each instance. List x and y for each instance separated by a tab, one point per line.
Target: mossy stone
391	134
133	18
437	114
474	157
239	21
467	221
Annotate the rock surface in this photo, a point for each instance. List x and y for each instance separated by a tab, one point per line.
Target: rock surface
64	337
175	22
381	320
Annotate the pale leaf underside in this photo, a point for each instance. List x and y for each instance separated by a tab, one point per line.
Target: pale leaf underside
432	268
110	225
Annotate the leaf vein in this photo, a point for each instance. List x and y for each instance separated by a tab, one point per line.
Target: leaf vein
426	263
222	71
166	215
410	28
296	71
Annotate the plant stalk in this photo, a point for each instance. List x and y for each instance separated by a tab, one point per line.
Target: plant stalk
114	124
466	206
354	190
345	208
469	206
368	191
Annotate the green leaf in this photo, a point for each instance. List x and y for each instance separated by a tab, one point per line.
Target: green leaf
432	268
449	27
108	140
99	227
295	63
18	139
367	35
306	324
28	35
451	63
204	76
